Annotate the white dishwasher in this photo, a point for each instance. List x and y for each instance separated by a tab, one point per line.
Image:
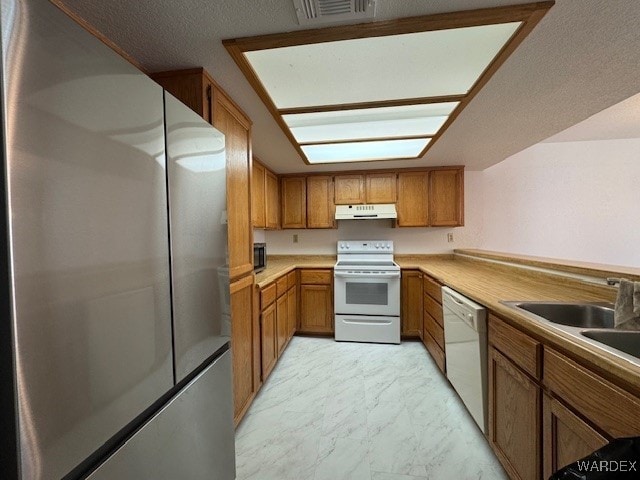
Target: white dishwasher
465	338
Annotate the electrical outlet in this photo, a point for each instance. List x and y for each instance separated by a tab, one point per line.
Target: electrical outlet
295	238
449	237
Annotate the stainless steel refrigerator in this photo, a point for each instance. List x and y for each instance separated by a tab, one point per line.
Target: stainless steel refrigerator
114	333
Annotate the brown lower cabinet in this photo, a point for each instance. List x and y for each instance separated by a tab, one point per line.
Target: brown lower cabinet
242	343
316	301
432	320
411	304
547	410
514	420
566	436
277	319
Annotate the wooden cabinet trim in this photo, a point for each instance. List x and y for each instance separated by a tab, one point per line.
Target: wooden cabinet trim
612	409
523	350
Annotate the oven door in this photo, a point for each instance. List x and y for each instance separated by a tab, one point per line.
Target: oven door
362	294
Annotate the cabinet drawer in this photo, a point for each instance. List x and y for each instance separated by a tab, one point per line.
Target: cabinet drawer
433	288
611	408
315	277
267	296
434	329
282	285
435	351
291	279
434	309
521	349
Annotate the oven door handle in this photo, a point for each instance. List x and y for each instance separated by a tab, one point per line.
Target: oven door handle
364	275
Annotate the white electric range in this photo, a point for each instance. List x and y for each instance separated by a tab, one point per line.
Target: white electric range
367	292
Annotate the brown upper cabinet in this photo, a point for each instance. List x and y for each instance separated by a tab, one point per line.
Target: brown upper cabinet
413	199
294	202
265	197
320	206
349	189
431	198
196	89
446	208
381	188
258	195
272	207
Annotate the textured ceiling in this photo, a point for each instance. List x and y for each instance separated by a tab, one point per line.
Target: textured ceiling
582	58
622	121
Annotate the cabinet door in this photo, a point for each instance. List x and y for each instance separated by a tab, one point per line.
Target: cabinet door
514	418
258	195
413	203
272	201
566	437
236	128
349	189
316	308
381	188
282	322
320	207
242	344
446	198
294	202
292	306
268	335
411	319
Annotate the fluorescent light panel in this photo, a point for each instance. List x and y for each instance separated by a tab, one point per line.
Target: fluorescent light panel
423	64
360	151
369	123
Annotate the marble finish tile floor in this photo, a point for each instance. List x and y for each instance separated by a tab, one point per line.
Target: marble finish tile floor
355	411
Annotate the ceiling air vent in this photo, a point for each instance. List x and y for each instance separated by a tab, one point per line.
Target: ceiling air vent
313	12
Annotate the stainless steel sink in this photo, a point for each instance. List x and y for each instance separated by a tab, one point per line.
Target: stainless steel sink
624	340
590	322
582	315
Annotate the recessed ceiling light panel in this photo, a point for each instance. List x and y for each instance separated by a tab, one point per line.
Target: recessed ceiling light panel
368	123
380	90
364	151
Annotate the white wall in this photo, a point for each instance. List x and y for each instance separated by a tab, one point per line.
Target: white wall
571	200
407	240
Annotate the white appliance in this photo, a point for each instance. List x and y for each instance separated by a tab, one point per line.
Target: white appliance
366	212
367	292
465	338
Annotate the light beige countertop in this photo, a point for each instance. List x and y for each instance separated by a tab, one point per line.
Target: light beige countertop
489	284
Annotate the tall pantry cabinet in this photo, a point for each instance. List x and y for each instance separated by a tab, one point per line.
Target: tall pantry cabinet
198	90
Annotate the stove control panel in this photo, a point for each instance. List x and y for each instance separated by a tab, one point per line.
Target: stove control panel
366	246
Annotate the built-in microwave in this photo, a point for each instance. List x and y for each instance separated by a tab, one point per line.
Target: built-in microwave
259	256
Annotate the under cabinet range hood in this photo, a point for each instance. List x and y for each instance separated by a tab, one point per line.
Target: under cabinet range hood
366	212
